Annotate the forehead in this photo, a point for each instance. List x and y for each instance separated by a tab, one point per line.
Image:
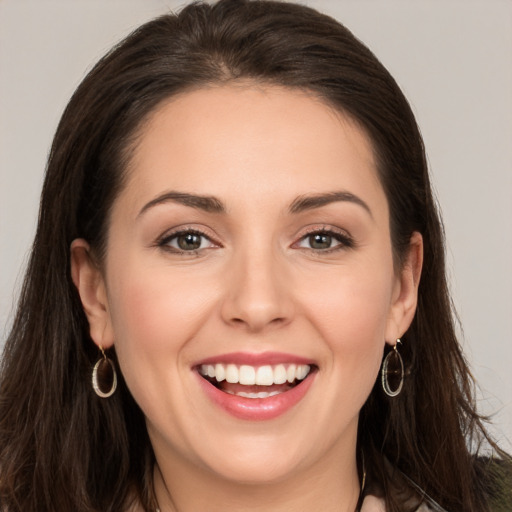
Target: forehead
251	140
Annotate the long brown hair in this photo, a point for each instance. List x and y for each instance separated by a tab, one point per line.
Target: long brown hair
63	448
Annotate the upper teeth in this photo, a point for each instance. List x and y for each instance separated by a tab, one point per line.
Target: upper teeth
251	375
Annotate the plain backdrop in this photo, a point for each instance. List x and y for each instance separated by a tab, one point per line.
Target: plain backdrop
453	60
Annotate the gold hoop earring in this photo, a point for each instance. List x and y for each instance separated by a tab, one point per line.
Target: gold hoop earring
104	374
392	373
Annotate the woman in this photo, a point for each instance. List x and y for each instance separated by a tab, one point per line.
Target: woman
241	269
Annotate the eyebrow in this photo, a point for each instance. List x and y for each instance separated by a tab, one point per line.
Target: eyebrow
310	202
213	205
205	203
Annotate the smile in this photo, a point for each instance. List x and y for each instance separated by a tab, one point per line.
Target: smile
256	391
275	379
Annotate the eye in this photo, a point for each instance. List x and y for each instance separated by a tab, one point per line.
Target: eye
319	241
186	241
325	240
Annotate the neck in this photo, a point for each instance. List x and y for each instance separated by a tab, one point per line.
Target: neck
189	489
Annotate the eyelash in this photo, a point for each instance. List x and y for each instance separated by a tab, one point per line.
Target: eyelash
345	241
165	240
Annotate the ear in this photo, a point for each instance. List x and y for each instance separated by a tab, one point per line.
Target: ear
405	292
90	284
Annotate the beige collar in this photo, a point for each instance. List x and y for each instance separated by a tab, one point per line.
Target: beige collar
373	504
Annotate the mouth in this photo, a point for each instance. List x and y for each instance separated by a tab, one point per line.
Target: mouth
256	391
255	382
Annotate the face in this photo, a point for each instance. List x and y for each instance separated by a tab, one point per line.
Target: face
249	285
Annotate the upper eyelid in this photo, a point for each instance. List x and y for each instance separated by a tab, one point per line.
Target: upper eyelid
164	242
173	232
346	240
311	230
303	233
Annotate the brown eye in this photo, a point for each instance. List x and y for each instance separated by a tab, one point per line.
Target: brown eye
325	241
189	241
320	241
186	241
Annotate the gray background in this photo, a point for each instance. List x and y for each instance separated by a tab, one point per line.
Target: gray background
453	60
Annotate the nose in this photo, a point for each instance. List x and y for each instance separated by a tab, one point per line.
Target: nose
258	293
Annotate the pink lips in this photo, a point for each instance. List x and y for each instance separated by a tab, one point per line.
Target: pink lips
257	409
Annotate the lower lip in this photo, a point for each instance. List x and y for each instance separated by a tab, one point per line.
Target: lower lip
257	409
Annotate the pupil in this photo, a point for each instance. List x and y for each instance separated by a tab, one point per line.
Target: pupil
320	241
189	242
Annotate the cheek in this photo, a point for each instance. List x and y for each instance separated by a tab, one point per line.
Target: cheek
152	307
352	317
153	317
351	310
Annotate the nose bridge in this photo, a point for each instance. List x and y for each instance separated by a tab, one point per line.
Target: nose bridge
257	295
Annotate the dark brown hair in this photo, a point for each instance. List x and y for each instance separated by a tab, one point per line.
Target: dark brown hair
61	447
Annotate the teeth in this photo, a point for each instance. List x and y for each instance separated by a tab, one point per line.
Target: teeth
250	375
247	375
302	372
232	374
261	394
264	376
280	375
291	373
220	372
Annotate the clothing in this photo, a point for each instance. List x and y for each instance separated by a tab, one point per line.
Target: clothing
373	504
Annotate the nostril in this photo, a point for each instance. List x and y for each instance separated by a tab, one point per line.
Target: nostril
254	324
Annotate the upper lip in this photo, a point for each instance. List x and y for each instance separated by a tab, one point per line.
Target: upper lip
255	359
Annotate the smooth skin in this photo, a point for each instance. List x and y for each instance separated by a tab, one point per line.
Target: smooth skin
255	269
